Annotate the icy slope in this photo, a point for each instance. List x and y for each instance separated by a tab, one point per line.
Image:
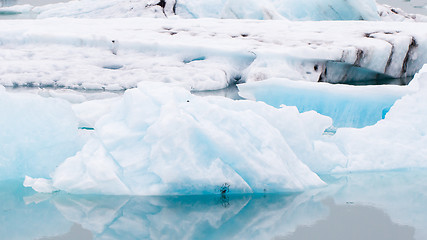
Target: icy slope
204	54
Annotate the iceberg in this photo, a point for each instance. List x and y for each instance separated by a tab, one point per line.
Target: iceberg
279	9
348	106
159	140
36	134
396	142
233	9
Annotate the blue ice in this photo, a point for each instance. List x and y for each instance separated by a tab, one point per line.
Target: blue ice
348	106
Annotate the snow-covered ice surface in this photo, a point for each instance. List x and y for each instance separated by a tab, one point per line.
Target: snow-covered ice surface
204	54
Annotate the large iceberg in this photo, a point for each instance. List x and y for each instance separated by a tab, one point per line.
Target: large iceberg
159	140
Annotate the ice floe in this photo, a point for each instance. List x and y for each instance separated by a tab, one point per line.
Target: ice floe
204	54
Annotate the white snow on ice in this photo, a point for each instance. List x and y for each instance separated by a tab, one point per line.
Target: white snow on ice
203	54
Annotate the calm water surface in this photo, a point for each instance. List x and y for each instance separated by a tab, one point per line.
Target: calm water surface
380	206
409	6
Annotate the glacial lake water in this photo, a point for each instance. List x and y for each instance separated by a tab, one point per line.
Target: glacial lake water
380	206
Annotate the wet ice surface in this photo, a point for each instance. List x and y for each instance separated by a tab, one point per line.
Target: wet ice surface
379	206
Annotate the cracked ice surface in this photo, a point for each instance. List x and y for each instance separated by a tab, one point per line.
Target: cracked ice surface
203	54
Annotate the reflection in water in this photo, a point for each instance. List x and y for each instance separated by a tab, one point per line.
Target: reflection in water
363	206
353	222
76	232
20	221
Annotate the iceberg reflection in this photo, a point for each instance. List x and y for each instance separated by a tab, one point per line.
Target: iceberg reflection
389	205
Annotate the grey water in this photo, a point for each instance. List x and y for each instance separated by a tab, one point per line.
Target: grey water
409	6
380	206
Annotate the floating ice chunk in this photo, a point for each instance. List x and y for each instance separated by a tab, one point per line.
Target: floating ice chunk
36	134
160	140
348	106
398	141
41	185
